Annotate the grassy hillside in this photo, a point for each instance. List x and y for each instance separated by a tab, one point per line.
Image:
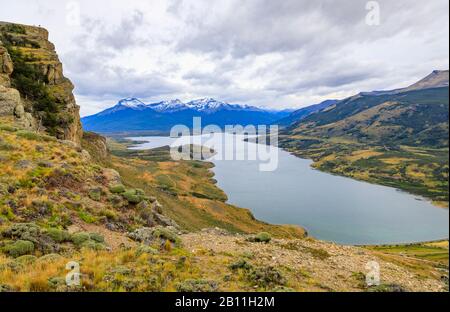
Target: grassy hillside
416	118
398	140
59	203
187	191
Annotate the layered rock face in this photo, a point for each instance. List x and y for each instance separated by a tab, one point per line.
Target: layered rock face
28	61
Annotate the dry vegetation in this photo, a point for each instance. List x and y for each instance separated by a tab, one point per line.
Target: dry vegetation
59	203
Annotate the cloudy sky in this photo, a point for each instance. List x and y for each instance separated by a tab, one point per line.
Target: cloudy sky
280	54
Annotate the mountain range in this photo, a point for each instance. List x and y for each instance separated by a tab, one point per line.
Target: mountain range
132	114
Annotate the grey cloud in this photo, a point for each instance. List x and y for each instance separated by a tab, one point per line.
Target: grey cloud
257	51
264	26
125	34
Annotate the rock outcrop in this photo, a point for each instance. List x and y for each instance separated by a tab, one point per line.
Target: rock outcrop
33	50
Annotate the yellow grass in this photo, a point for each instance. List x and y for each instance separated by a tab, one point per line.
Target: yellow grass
363	154
394	160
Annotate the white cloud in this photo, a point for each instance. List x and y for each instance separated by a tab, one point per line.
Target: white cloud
287	53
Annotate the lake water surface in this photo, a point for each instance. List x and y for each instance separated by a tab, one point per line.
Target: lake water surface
330	207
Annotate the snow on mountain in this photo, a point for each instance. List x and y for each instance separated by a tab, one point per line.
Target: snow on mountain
205	105
168	106
131	103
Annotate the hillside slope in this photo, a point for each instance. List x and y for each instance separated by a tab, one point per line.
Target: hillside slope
141	227
302	113
397	138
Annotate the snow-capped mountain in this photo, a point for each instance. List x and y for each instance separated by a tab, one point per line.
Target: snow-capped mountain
133	114
131	102
206	105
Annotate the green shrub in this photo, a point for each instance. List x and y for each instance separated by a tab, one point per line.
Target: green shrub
143	249
90	244
95	194
23	231
80	238
386	288
132	196
117	189
320	254
87	217
52	257
97	237
19	248
8	128
58	235
266	277
109	214
116	201
262	237
199	285
240	264
165	234
14	28
32	136
140	192
26	259
4	146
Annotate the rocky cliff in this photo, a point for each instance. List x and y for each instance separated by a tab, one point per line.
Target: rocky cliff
33	88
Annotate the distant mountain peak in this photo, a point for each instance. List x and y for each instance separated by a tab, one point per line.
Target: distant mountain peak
437	79
131	102
207	104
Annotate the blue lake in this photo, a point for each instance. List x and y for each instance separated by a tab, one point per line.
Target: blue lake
330	207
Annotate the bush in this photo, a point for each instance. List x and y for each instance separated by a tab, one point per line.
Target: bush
262	237
117	189
14	28
19	248
91	244
139	192
53	257
266	277
386	288
32	136
95	194
33	233
80	238
109	214
199	285
116	201
26	259
97	237
165	234
24	231
240	264
132	196
143	249
87	217
8	128
58	235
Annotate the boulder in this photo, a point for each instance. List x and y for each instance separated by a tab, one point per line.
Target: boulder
9	100
6	64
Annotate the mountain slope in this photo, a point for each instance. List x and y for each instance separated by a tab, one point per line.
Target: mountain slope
398	138
417	118
133	115
61	202
302	113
